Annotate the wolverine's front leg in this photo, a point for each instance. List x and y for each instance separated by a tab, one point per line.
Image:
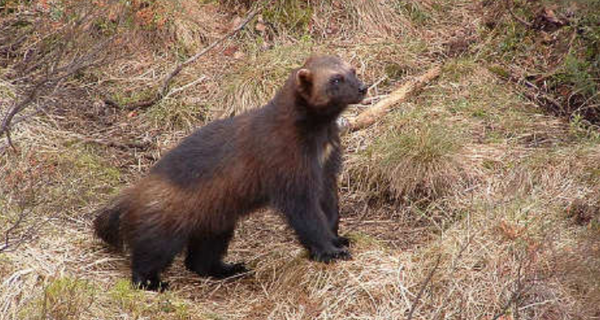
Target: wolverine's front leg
330	205
329	198
305	216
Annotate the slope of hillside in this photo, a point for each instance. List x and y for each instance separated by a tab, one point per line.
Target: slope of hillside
478	198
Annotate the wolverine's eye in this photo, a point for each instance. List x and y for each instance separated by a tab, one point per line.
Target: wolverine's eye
337	79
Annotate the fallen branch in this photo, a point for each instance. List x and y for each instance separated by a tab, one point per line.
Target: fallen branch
383	107
116	144
162	91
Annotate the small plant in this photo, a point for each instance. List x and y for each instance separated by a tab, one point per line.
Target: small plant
127	298
64	298
414	11
582	129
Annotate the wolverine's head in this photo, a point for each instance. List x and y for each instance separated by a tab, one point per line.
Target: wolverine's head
329	84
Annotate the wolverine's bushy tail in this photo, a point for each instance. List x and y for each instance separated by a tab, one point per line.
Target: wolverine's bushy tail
107	225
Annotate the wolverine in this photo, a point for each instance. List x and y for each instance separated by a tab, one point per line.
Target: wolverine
285	155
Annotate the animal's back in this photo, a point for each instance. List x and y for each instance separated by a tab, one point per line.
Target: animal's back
212	173
199	156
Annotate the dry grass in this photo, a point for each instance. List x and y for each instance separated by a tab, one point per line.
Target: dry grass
468	173
256	79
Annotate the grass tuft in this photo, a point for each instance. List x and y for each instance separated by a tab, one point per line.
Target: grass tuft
294	16
412	161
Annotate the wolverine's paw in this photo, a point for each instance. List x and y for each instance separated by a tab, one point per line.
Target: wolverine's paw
226	270
158	286
341	242
330	256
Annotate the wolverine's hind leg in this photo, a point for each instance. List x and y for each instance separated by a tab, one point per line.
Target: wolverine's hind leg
205	255
151	254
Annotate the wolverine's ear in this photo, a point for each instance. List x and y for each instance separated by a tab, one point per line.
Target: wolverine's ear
304	77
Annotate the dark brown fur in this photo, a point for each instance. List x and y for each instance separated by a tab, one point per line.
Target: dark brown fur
285	155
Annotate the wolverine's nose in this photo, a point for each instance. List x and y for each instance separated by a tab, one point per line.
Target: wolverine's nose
363	89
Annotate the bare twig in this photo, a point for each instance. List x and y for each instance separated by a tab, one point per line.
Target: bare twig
162	91
9	141
558	63
12	244
378	82
177	70
516	295
428	279
458	257
534	93
8	232
26	117
177	90
25	227
423	287
5	127
509	5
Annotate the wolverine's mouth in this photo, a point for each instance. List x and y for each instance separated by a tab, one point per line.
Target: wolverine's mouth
361	97
362	92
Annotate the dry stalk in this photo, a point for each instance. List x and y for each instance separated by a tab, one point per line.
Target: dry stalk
423	286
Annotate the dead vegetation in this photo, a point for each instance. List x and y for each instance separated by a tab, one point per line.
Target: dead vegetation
478	198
